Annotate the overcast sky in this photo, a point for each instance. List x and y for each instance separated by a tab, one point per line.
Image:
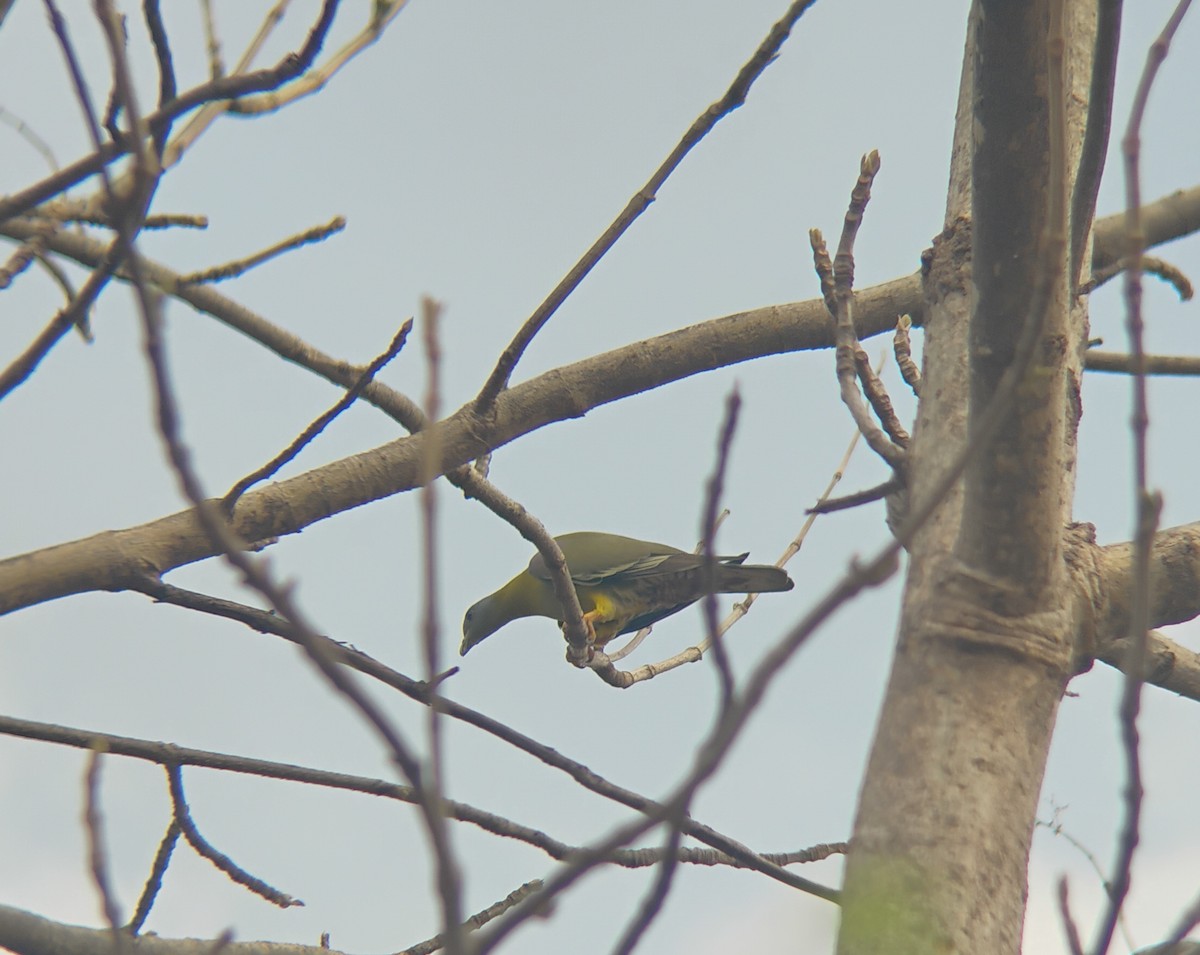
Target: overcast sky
476	152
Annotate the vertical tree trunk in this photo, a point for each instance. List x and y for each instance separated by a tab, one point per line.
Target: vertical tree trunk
941	842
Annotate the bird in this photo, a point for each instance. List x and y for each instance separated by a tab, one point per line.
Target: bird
623	585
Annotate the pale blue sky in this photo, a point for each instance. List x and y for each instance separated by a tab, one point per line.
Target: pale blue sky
476	152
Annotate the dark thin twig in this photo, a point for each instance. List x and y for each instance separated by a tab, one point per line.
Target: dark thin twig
58	25
479	919
859	498
708	531
1148	505
579	648
1096	131
279	597
1187	921
166	71
1151	265
97	854
448	874
1064	911
72	316
209	515
229	270
158	869
23	256
321	423
227	87
183	819
652	905
266	622
766	53
169	754
1059	830
879	568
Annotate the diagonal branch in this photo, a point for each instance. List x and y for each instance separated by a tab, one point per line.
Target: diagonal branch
766	53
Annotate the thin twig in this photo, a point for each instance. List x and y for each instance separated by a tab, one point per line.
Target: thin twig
1187	921
1064	912
858	498
449	877
321	423
212	40
478	920
902	346
166	70
1148	505
229	270
1187	365
708	530
226	87
278	596
766	53
27	133
1150	265
207	114
1096	130
93	823
315	80
878	398
183	819
158	869
1056	827
843	295
266	622
169	754
623	679
656	897
636	640
210	516
579	649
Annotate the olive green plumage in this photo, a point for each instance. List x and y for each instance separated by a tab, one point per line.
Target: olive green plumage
623	585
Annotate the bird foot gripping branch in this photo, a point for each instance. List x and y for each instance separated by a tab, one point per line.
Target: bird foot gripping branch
623	585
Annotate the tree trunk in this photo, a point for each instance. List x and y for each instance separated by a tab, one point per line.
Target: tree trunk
941	842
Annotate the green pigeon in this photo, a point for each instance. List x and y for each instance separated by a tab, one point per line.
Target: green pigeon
623	585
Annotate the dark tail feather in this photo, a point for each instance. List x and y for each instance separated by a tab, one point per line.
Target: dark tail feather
752	579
